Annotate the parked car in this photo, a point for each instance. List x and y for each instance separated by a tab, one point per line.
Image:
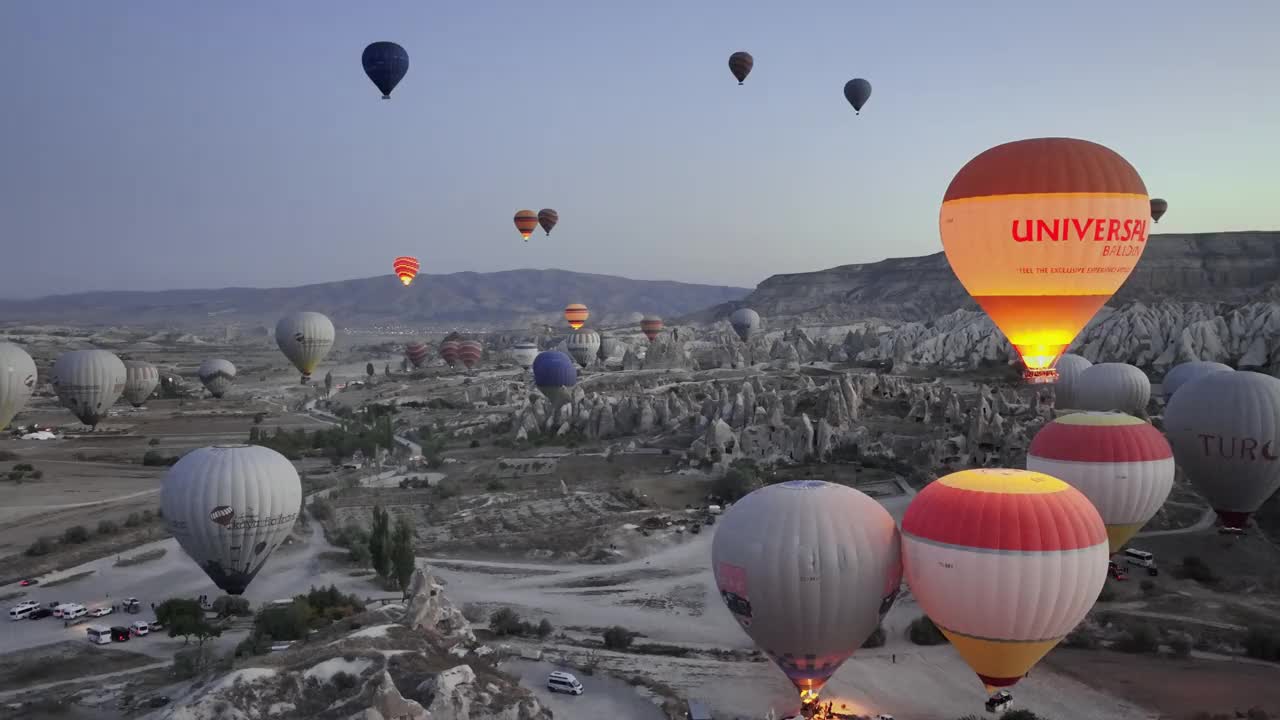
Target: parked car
38	613
564	682
23	610
140	628
101	611
1001	701
29	582
119	633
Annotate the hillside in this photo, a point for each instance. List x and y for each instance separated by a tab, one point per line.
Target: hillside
507	299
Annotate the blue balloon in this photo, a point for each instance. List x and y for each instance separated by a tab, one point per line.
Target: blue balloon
554	372
386	64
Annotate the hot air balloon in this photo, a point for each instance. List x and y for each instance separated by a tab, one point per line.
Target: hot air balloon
526	221
1041	233
1225	432
740	64
1113	386
576	314
524	353
808	569
17	381
406	268
140	380
555	375
745	322
230	507
306	339
548	218
857	91
1180	375
88	382
386	64
416	353
651	325
583	344
1066	389
449	351
469	353
610	348
217	375
1158	208
1005	563
1122	464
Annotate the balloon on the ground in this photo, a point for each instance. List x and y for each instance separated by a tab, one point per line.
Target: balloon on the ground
88	383
1113	386
140	380
740	64
1225	432
386	64
1122	464
745	322
1180	375
554	374
651	326
808	569
306	339
610	348
449	351
217	375
523	354
1042	233
406	268
576	315
416	353
17	381
230	507
857	91
548	218
526	221
469	353
583	344
1159	207
1066	388
1005	563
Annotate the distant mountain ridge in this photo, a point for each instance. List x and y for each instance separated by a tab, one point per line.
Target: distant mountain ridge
507	299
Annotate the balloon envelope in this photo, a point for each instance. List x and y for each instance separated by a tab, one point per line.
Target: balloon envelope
1042	233
17	381
651	326
745	322
449	352
416	353
583	344
740	64
230	507
1180	375
1069	368
140	380
555	374
406	268
808	569
386	64
469	353
217	375
306	339
1122	464
548	218
1158	208
524	353
526	221
576	315
1113	386
88	382
857	91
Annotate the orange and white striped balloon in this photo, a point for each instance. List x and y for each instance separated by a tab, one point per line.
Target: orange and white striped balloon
576	314
526	221
1122	464
1005	562
406	268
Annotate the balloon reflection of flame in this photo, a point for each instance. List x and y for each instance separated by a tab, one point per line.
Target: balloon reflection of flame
838	709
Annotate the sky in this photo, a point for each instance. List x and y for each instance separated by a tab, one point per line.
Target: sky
154	144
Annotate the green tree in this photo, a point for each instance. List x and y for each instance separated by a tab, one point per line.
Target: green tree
186	619
328	383
380	542
368	370
386	369
402	560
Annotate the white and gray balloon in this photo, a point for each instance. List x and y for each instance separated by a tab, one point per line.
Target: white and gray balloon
88	383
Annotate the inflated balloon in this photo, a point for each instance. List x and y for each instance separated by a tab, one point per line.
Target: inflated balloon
17	381
576	315
406	268
469	353
745	322
857	91
808	569
1005	563
583	344
386	64
449	352
1158	208
548	218
140	380
526	221
1113	386
610	348
1122	464
524	353
230	507
1187	372
1069	368
1225	432
555	375
651	326
740	64
88	382
416	353
1042	233
306	339
217	375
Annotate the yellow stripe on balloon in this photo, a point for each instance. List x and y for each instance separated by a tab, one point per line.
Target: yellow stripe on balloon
1013	482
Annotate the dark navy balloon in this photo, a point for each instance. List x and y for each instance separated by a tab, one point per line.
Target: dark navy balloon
857	91
386	64
555	373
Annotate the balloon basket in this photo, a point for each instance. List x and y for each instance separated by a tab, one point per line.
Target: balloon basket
1046	376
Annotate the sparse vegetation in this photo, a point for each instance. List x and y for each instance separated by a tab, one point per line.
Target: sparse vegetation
1262	644
232	605
924	632
1194	568
185	618
1141	638
317	609
742	477
618	638
75	535
154	458
108	527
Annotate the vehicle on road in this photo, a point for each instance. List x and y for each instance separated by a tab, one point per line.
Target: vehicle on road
119	633
98	634
140	628
41	612
1000	702
29	582
23	610
563	682
698	710
70	611
101	611
131	606
1141	558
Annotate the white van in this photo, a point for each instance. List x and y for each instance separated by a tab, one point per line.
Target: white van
99	634
23	610
74	611
564	682
1141	558
60	610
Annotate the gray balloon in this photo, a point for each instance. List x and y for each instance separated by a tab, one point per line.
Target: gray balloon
745	322
1225	433
1180	375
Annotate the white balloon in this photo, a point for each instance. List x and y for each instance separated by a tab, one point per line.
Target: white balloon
306	339
217	376
1113	386
524	353
140	380
17	381
583	344
88	382
1066	389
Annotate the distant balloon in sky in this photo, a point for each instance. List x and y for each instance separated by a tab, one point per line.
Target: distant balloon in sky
17	381
526	221
1158	208
416	353
651	326
140	380
88	382
406	268
745	322
554	374
548	218
583	344
217	375
857	91
1042	233
740	64
576	315
306	339
1186	372
386	64
1069	368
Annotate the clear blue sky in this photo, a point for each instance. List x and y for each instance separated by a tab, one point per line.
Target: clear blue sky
154	144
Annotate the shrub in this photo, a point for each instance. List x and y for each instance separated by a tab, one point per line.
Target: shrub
75	535
494	485
153	442
37	475
618	638
23	467
473	612
344	680
321	509
42	546
505	621
1193	568
1139	639
1083	638
474	444
229	605
108	527
1262	644
544	628
152	458
924	632
1180	646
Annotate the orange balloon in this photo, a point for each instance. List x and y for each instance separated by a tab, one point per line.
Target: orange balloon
1042	233
406	268
576	314
526	221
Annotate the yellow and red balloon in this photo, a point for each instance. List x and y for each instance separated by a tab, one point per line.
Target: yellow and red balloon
576	314
406	268
526	221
